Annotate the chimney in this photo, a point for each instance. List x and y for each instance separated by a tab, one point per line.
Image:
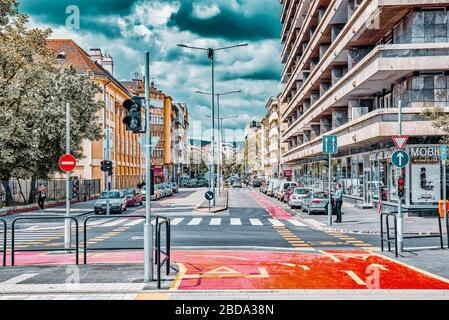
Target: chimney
105	61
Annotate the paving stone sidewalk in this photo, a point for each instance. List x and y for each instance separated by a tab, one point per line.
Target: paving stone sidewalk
368	221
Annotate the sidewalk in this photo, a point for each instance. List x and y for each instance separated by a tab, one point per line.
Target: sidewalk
367	221
221	203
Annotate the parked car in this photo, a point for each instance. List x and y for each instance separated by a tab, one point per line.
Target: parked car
315	201
117	202
283	188
174	187
193	183
297	196
156	196
168	189
237	184
133	197
274	184
256	183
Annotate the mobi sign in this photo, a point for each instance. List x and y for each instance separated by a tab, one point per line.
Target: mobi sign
424	154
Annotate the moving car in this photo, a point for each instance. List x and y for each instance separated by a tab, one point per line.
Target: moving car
133	197
117	202
237	184
315	201
297	196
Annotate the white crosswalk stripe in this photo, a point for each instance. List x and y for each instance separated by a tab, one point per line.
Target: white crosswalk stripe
256	222
176	221
276	222
96	222
314	222
114	223
134	222
236	222
195	221
296	223
215	221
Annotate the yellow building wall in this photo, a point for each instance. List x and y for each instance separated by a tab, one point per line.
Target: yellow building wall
167	130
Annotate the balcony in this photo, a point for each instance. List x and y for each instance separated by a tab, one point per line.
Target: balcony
273	132
380	68
273	117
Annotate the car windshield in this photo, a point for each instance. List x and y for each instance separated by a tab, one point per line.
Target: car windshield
301	191
112	195
320	195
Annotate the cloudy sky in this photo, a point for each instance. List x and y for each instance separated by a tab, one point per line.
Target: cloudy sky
126	28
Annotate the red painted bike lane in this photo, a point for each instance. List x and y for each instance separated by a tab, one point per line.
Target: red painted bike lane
274	210
253	270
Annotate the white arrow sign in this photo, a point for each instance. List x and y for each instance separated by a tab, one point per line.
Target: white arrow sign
400	141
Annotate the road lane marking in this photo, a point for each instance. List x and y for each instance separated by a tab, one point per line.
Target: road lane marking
256	222
276	222
355	277
20	278
331	256
113	223
296	223
176	221
236	222
314	222
215	221
98	222
195	221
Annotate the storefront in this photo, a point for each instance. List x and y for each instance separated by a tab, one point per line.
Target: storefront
364	175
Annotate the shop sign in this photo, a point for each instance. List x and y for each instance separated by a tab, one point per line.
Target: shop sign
424	154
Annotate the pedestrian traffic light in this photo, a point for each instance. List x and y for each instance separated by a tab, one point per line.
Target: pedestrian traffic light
133	118
401	187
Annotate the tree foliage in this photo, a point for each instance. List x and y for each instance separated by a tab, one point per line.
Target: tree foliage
440	120
34	91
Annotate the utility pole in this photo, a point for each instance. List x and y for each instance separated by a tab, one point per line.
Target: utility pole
68	222
400	217
211	54
329	206
147	228
107	156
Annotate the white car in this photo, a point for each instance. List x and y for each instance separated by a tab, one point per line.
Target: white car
117	202
297	197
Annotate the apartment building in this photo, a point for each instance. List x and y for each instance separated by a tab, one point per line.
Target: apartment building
348	66
125	152
161	120
180	140
252	154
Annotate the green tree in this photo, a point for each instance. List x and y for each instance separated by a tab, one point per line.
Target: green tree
33	94
440	120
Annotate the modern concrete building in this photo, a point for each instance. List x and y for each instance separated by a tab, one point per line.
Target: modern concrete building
348	65
180	141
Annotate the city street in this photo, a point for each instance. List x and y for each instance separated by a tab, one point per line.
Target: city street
257	244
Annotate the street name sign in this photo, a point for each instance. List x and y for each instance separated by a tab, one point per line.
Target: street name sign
400	159
209	195
67	163
443	152
330	144
400	141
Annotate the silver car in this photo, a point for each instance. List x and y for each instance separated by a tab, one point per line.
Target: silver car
117	202
315	202
237	184
297	197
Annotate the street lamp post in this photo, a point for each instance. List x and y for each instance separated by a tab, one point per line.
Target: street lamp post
211	56
220	133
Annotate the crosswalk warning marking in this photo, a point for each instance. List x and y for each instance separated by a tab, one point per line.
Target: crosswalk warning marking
176	221
113	223
296	223
276	222
236	222
256	222
133	223
195	221
215	221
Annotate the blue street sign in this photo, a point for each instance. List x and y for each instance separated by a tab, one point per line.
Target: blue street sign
400	159
330	144
209	195
443	152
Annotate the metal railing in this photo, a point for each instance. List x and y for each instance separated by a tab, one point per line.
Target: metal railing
160	221
5	230
86	248
389	239
44	218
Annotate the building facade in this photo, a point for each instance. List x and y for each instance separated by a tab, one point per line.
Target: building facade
180	141
125	152
253	149
348	67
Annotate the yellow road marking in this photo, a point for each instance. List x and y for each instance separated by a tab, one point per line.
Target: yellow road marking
355	277
182	271
331	256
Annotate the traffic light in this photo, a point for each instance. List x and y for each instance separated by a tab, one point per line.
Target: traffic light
133	118
401	187
106	166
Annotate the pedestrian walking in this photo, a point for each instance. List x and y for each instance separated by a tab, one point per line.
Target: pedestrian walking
41	196
338	201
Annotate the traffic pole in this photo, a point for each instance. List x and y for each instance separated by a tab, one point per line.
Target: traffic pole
147	228
444	201
67	222
329	206
107	157
212	58
400	216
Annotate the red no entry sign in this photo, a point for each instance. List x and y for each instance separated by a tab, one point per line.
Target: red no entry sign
67	162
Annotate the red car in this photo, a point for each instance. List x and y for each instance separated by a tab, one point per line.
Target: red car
133	197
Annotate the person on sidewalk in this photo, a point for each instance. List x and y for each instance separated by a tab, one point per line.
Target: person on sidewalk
338	201
41	196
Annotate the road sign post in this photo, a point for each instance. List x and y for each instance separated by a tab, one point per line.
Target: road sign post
330	147
443	156
68	221
402	160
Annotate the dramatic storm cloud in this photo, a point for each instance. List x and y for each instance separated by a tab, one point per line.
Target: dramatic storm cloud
125	29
